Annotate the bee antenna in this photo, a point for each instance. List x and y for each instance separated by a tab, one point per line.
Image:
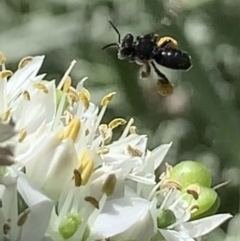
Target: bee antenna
116	30
109	45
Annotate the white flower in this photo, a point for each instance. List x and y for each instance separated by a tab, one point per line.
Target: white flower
175	212
53	159
21	227
36	106
119	216
20	80
95	188
81	202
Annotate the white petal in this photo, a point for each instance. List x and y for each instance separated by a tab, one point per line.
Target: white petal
41	108
171	235
133	140
119	215
204	226
158	154
142	230
63	161
18	81
3	98
145	178
41	208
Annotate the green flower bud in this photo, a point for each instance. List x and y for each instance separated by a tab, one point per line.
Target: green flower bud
211	211
207	202
190	172
165	218
69	225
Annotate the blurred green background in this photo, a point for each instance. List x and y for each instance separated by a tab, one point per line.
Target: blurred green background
202	117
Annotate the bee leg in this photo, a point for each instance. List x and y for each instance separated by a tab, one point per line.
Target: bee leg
164	87
167	42
145	71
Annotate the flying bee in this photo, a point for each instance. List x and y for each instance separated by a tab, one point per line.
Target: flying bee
149	51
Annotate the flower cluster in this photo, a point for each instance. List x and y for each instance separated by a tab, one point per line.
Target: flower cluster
64	178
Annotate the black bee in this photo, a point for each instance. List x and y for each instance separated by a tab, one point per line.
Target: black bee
149	51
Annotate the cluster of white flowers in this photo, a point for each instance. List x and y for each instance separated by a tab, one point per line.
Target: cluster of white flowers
66	179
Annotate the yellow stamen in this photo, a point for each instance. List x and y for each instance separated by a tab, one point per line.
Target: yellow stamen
93	201
168	170
68	117
86	165
106	99
84	98
126	130
22	135
109	185
67	84
2	58
103	129
106	133
24	62
194	208
87	93
26	95
72	97
5	116
102	150
41	86
74	94
116	122
72	130
134	151
171	185
23	218
194	190
77	178
86	174
133	130
5	74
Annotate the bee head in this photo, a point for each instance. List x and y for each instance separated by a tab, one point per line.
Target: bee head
125	45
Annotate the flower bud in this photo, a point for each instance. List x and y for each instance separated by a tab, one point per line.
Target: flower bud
190	172
165	218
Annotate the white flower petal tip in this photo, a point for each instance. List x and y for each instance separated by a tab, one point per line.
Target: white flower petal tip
119	215
159	153
204	226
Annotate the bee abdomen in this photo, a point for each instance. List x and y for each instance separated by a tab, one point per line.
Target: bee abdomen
172	58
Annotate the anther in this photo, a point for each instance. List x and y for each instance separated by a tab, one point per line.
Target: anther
109	185
22	135
106	99
77	178
23	218
24	62
93	201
